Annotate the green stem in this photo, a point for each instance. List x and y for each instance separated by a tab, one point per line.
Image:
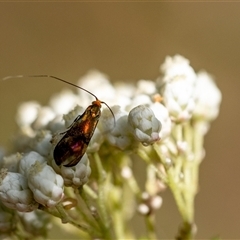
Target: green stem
101	197
141	153
150	222
88	191
66	219
177	194
181	178
88	216
118	224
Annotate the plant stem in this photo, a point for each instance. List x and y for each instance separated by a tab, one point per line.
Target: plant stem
118	224
182	177
66	219
150	221
101	197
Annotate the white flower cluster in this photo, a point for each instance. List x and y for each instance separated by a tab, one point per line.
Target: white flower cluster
144	113
187	94
35	183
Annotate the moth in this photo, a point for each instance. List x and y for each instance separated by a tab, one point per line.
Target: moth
74	142
73	145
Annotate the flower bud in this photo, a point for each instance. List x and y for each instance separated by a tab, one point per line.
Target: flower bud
45	115
124	92
96	141
78	175
46	185
56	125
141	99
28	160
98	84
177	67
23	139
143	209
70	117
106	122
145	126
63	102
179	100
161	113
118	134
178	91
149	204
156	202
27	113
208	98
37	223
41	142
11	162
146	87
15	193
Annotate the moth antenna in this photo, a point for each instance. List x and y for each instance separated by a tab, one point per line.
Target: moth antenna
61	80
111	112
50	76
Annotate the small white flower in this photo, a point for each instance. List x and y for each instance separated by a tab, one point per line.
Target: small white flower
177	67
178	88
96	141
179	100
27	113
23	139
56	125
124	94
126	89
15	193
156	202
106	122
70	117
208	98
45	115
52	163
161	113
145	126
126	172
41	142
11	162
118	134
46	185
36	222
28	160
78	175
143	209
141	99
97	83
146	87
150	203
63	102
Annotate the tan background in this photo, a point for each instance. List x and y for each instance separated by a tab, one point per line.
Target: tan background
130	41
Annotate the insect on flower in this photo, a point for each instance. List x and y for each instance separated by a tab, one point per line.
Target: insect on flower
73	145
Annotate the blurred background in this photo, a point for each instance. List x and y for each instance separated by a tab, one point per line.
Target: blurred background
129	41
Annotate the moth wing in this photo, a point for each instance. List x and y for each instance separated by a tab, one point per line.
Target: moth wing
69	150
